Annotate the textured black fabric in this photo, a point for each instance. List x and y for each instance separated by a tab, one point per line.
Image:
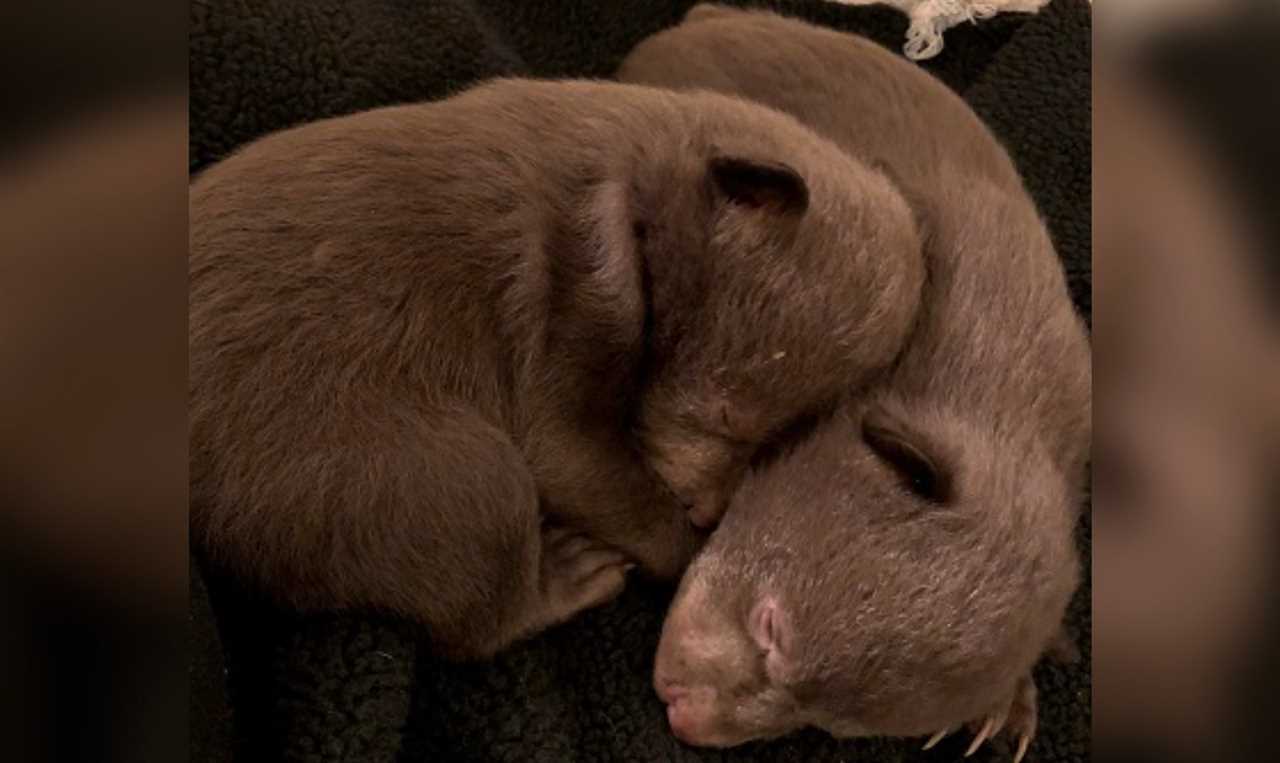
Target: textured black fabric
349	687
210	709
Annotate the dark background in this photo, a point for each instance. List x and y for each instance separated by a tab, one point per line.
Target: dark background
275	686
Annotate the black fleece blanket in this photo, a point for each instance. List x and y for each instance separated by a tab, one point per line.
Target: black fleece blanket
351	687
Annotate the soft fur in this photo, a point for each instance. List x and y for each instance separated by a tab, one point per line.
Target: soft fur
897	567
439	352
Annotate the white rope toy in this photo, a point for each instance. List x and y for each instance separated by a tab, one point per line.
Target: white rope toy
930	18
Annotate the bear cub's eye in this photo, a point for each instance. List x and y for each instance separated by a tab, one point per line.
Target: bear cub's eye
918	472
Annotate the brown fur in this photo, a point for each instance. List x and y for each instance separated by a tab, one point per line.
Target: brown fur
438	352
898	567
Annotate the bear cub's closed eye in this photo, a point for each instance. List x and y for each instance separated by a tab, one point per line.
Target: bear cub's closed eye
918	472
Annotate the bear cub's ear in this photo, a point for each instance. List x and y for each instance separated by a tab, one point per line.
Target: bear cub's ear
770	629
772	186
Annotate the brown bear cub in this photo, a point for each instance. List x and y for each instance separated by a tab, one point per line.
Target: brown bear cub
898	568
468	361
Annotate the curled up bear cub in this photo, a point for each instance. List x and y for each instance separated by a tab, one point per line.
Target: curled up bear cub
469	361
898	566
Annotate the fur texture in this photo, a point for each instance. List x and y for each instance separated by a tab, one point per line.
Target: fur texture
913	552
465	361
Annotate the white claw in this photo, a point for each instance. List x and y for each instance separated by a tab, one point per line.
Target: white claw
998	726
1023	743
980	738
935	739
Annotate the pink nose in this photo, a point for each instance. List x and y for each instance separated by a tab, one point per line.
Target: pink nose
669	692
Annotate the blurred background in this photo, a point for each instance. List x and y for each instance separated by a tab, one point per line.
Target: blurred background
1186	223
95	642
93	576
